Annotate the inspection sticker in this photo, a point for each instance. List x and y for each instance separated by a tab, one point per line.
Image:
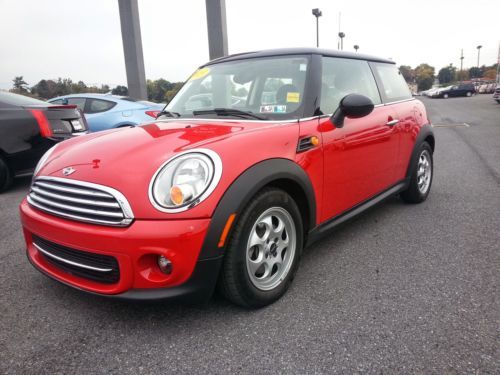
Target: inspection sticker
293	97
273	109
200	73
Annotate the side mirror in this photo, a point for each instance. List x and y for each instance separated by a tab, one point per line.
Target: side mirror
352	106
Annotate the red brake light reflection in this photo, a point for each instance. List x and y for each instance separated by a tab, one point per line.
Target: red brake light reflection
153	114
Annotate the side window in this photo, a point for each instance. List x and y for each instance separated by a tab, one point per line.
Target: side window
394	85
79	102
58	101
98	105
341	77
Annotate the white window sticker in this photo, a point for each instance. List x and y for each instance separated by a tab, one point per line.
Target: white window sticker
273	109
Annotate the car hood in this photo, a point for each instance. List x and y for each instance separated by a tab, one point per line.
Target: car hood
127	158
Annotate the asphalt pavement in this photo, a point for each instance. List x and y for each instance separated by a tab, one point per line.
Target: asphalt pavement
400	289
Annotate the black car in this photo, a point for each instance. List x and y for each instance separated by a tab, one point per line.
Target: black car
464	89
28	128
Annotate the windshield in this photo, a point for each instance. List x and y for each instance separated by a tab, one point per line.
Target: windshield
271	87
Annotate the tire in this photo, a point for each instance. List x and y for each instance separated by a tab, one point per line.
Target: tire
469	94
445	96
419	189
5	176
257	275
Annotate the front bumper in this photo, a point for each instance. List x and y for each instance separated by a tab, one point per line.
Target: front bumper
135	248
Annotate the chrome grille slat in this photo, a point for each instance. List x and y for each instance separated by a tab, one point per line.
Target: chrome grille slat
70	216
70	262
101	268
80	201
73	190
74	200
74	208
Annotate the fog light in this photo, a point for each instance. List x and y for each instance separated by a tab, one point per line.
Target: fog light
165	265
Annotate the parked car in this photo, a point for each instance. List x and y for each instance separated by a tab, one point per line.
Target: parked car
464	89
496	94
106	111
28	128
230	196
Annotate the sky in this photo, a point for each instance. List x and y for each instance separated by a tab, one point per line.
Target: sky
81	39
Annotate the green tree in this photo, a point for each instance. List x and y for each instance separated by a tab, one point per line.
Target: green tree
171	93
120	90
45	89
19	85
447	74
475	72
424	75
408	73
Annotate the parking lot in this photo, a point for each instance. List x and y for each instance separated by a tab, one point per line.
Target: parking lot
400	289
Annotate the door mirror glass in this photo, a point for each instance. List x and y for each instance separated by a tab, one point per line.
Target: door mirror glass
352	106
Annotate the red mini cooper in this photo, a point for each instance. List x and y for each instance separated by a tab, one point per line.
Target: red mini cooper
257	156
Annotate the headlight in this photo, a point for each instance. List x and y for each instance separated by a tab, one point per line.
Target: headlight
185	180
43	160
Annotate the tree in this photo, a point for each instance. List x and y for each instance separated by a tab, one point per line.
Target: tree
408	73
424	75
19	85
475	72
120	90
447	74
491	73
45	89
462	75
171	93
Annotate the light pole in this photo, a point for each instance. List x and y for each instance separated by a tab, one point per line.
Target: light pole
341	36
356	47
478	50
462	60
317	13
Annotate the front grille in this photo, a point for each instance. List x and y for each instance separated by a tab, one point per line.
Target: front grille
100	268
80	201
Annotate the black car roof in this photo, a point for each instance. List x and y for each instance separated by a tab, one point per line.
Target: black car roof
299	51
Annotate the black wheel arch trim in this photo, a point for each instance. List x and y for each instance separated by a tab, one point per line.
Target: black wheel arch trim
243	188
426	132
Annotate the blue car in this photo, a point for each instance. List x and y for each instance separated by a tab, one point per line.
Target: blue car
106	111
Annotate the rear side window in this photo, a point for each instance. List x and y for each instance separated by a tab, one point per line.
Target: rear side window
342	77
79	102
98	105
394	85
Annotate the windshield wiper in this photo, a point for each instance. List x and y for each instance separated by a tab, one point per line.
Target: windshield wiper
229	112
168	114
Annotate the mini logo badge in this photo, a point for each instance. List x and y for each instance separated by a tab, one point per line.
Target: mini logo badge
68	170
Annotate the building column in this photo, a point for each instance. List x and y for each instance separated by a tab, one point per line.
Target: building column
217	28
132	48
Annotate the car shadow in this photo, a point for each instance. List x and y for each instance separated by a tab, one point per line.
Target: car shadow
154	313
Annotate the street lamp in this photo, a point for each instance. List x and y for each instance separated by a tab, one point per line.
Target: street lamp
317	13
341	36
478	50
356	47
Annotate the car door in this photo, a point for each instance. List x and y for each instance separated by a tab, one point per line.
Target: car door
359	158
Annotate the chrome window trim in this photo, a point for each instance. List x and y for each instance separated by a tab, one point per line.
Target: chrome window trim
128	214
217	170
400	101
70	262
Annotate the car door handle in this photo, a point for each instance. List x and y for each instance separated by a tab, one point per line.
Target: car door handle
392	122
